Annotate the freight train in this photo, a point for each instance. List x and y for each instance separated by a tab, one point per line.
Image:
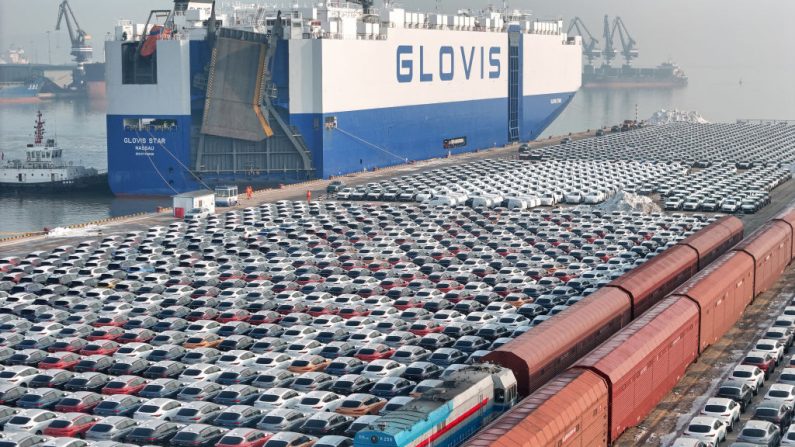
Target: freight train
617	384
474	397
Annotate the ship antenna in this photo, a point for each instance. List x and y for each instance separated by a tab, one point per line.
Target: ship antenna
39	128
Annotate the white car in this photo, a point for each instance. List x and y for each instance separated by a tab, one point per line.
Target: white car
131	351
30	421
18	375
750	375
270	360
787	376
689	442
276	398
707	429
383	368
315	401
774	347
200	372
781	392
789	437
304	346
236	357
727	410
160	408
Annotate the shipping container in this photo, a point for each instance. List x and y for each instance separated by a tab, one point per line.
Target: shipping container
788	217
643	362
572	410
540	354
652	281
715	239
771	249
722	291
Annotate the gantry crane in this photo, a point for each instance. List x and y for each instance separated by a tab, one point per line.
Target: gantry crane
609	53
81	51
590	44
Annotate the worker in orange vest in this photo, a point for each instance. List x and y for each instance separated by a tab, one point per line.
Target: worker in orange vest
249	192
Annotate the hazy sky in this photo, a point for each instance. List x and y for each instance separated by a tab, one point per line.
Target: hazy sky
741	35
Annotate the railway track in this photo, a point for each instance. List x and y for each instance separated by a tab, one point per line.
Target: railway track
671	415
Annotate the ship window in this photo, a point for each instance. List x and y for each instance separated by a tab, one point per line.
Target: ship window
149	125
136	69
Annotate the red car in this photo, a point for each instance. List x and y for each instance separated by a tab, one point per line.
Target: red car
70	425
322	309
124	385
762	360
244	437
100	347
105	333
374	352
60	360
79	401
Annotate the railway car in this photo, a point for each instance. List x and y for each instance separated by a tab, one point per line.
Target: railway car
540	354
445	417
640	364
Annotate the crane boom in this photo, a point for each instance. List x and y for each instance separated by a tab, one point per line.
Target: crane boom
628	44
590	44
81	51
609	52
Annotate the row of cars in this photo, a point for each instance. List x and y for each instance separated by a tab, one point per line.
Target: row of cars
769	413
696	145
517	184
290	320
721	188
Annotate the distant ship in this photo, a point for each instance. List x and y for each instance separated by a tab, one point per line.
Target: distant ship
666	75
45	170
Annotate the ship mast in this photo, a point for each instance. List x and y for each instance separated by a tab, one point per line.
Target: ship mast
39	128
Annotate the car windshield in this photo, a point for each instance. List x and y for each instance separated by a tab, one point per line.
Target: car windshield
19	420
715	408
753	433
189	437
790	377
374	368
729	391
272	420
698	428
314	423
69	401
309	401
231	440
766	412
778	393
741	374
227	394
765	347
101	428
228	417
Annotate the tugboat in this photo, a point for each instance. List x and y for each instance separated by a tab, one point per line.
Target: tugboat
45	170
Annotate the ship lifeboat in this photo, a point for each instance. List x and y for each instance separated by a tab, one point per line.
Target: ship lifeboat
156	33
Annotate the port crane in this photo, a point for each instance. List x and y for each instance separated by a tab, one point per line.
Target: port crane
609	53
591	48
628	45
81	51
367	5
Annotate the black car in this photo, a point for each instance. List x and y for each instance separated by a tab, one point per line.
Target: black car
128	367
51	379
89	381
351	383
345	365
94	363
736	391
200	435
118	405
152	432
325	423
776	412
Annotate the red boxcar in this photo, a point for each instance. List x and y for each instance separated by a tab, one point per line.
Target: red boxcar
788	217
721	291
545	351
652	281
770	247
643	362
715	239
572	410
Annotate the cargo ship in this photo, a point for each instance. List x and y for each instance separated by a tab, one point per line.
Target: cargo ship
198	98
665	75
